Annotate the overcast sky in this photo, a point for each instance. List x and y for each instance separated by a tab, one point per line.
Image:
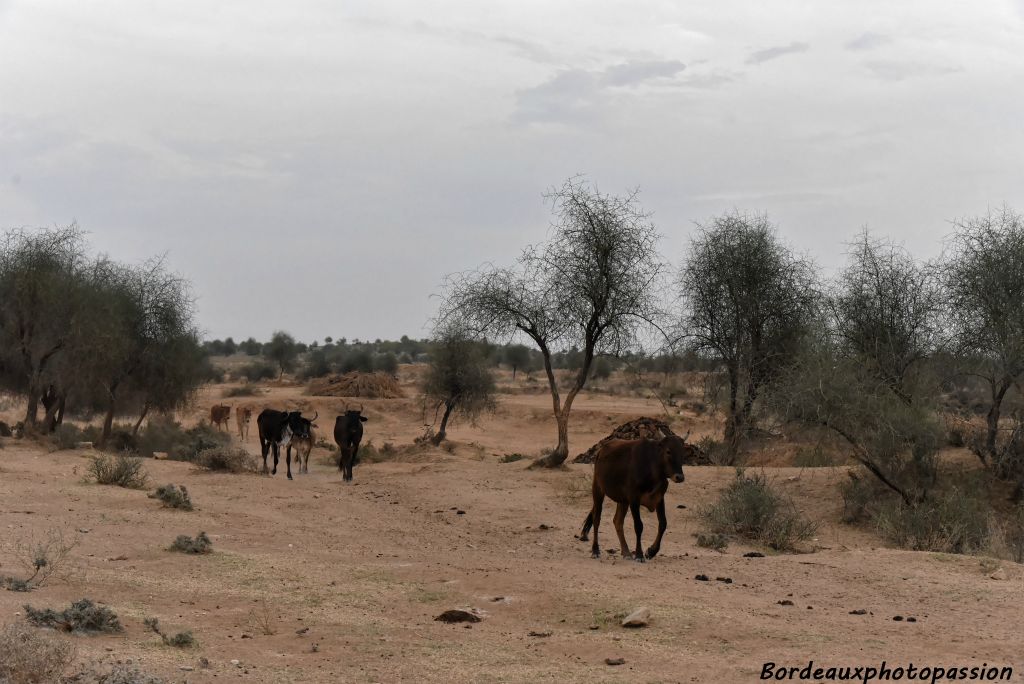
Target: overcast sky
319	166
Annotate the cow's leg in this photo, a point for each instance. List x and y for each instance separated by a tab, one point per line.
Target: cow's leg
288	459
587	524
264	447
638	527
595	518
662	524
620	517
355	456
277	457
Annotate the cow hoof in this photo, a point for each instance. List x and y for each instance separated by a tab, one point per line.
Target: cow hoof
639	558
289	477
595	554
583	537
652	552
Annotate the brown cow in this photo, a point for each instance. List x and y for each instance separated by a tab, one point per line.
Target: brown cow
634	473
302	446
243	416
220	415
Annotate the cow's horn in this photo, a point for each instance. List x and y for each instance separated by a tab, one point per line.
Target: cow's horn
686	436
316	414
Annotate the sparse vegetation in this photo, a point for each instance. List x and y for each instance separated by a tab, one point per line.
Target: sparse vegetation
712	540
180	640
121	470
511	458
751	508
82	616
41	560
173	496
814	457
240	391
28	656
951	521
226	459
201	544
261	619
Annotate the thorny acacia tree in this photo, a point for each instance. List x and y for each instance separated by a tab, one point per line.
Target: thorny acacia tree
458	378
591	285
886	309
747	301
40	283
984	274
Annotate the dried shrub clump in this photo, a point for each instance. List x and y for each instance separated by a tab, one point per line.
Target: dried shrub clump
186	544
30	657
173	496
180	640
82	616
121	471
42	559
751	508
226	459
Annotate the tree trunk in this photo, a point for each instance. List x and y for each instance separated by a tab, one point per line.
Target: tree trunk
561	451
992	419
32	408
138	423
108	420
61	403
513	373
442	431
733	420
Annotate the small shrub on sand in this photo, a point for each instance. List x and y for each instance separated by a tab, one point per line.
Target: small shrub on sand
121	470
814	457
241	391
179	444
712	540
81	616
28	656
226	459
41	559
186	544
511	458
954	521
173	496
67	436
370	453
751	508
180	640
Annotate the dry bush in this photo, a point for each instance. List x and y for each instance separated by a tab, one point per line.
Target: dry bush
241	391
814	457
67	436
712	540
117	673
200	545
167	436
1012	537
261	620
121	470
575	488
173	496
82	616
42	559
951	521
180	640
226	459
30	657
751	508
511	458
369	453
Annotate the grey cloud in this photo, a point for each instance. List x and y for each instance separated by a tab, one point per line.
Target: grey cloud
771	53
575	94
886	70
634	73
868	41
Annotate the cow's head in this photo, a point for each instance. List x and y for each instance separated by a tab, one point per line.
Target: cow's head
299	426
352	416
673	454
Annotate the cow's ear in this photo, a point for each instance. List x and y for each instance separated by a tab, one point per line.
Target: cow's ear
362	418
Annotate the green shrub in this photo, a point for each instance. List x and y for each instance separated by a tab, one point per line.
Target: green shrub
120	470
164	435
67	436
186	544
80	616
369	453
173	496
258	370
30	657
226	459
860	495
750	508
1013	535
950	521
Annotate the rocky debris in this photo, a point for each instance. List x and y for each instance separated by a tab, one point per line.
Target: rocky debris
702	578
355	384
999	574
614	661
541	635
897	618
753	554
644	428
453	616
640	617
859	611
726	580
785	602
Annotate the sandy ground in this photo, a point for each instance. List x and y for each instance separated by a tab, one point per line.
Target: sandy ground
317	581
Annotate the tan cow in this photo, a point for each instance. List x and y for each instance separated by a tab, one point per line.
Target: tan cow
220	415
302	446
243	416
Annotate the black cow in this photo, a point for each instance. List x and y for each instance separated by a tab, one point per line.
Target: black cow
634	473
276	430
348	430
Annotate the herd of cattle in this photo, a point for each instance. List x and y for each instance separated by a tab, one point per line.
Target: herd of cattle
630	472
289	429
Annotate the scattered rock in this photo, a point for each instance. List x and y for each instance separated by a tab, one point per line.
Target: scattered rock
702	578
753	554
594	627
638	618
236	663
681	506
460	512
785	602
451	616
897	618
186	668
911	619
539	634
859	611
999	574
497	599
614	661
160	455
542	526
302	631
727	580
